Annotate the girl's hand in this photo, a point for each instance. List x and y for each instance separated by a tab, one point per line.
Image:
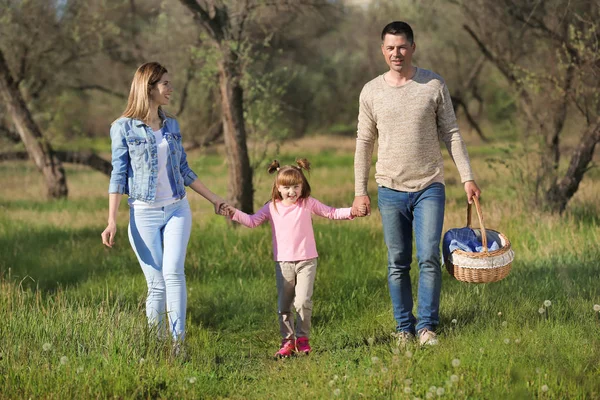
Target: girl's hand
227	210
108	236
360	212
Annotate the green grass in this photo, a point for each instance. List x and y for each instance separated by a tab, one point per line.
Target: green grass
60	287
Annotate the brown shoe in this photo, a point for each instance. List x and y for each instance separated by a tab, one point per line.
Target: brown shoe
427	337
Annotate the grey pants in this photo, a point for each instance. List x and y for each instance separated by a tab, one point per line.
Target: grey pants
295	282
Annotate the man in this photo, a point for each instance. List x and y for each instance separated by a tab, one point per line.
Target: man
408	109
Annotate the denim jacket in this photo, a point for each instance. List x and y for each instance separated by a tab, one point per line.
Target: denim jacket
135	160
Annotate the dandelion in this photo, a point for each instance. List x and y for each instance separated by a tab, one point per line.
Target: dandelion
335	377
408	382
455	362
542	310
79	370
46	346
192	380
384	370
331	382
597	307
538	370
396	350
432	388
429	395
370	341
64	360
408	354
337	392
374	360
504	324
454	321
506	341
547	303
544	388
517	340
440	391
454	378
481	350
499	313
407	390
142	360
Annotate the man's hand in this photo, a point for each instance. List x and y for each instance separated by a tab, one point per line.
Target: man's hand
471	189
361	206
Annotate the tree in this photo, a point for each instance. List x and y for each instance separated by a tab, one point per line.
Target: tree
226	26
549	52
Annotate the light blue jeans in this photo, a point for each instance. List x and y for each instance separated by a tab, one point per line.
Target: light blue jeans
401	212
159	237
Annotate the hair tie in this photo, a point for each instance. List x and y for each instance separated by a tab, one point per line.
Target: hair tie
278	168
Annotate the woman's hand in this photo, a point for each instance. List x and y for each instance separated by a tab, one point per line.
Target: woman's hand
108	236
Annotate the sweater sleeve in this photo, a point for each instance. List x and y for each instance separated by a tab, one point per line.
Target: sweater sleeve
254	220
365	141
450	135
326	211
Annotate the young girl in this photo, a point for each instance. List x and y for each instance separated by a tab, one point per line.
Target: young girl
295	252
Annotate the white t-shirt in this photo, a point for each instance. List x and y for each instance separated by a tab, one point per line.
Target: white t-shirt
164	194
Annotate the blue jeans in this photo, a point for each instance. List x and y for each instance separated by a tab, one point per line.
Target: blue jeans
401	212
159	237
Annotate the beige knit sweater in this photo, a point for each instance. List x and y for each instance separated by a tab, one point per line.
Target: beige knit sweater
409	122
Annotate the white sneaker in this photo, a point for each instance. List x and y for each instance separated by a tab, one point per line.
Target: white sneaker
427	337
403	338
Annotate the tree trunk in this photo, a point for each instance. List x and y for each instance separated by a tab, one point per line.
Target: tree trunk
559	194
37	146
240	190
84	157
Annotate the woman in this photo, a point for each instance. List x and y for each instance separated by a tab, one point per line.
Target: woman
150	165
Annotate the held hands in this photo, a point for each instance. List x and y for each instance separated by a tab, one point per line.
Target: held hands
227	210
108	236
361	207
471	189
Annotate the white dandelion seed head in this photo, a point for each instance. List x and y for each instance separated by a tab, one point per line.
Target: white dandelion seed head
335	377
440	391
544	388
538	370
596	307
481	350
454	321
499	313
142	360
64	360
504	323
455	362
517	340
407	390
374	360
396	350
337	392
542	310
46	346
547	303
506	341
408	381
192	380
370	341
384	369
408	354
429	395
454	378
432	388
331	382
79	370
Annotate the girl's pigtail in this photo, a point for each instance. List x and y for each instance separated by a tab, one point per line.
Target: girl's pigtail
273	167
303	163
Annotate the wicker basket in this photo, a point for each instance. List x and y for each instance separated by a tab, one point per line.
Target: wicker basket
486	266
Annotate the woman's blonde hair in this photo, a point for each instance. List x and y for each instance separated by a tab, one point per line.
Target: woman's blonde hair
144	80
289	175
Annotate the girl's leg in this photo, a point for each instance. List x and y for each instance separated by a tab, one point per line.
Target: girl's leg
286	280
145	227
176	236
306	271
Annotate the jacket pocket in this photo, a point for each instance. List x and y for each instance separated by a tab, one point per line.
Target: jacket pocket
137	146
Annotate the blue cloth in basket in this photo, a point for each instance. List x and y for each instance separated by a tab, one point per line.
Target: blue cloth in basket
464	239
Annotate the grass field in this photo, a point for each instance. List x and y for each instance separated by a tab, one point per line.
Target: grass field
73	322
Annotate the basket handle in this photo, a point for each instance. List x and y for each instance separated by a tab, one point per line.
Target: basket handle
481	225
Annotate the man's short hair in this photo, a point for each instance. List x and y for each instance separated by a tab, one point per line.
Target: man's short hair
398	28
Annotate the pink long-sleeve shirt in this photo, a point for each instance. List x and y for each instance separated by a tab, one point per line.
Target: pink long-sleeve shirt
291	226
